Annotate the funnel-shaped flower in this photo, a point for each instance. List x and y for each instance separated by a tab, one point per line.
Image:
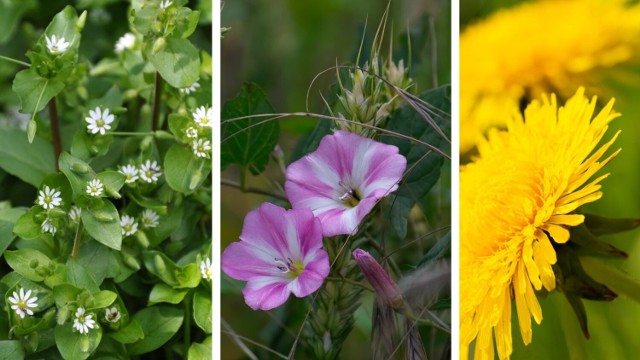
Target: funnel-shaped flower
279	253
343	179
386	289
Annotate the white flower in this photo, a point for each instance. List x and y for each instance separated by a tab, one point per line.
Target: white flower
83	322
192	132
206	269
150	218
49	198
22	303
112	314
165	4
150	172
201	147
129	225
126	41
203	116
74	214
47	226
98	121
189	89
94	187
55	45
131	173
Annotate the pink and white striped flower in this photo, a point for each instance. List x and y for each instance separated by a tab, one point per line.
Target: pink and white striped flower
343	180
279	253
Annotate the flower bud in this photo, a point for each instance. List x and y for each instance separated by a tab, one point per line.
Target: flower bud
386	289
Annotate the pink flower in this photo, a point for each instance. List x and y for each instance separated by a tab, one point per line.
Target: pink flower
382	283
343	180
279	253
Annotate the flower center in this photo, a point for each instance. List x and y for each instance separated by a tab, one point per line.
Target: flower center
99	123
288	266
351	197
47	199
22	304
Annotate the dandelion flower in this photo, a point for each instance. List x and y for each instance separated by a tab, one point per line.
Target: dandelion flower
95	187
83	322
129	225
203	116
279	253
150	218
343	179
126	41
150	171
99	121
56	45
112	314
201	147
206	269
189	89
48	227
516	201
130	172
22	302
521	59
49	198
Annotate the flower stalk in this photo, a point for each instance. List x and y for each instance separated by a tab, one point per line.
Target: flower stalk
55	130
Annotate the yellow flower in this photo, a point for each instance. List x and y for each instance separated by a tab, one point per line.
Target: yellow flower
516	201
540	47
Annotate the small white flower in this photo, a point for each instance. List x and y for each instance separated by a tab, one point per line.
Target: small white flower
165	4
22	303
150	218
55	45
203	116
94	187
130	172
49	198
129	225
189	89
206	269
48	227
192	132
98	121
126	41
83	322
201	147
150	172
112	314
74	214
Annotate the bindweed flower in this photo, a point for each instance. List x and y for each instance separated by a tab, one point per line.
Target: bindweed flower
189	89
129	225
95	187
343	179
48	227
201	147
130	172
83	322
150	171
22	302
279	253
112	315
49	198
206	269
386	289
149	218
203	116
126	41
99	121
74	214
518	199
56	45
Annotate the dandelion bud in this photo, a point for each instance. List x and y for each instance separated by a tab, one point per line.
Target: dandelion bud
386	289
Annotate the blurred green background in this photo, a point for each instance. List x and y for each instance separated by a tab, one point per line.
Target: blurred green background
282	46
613	326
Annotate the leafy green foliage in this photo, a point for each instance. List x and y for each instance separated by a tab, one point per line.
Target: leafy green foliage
29	162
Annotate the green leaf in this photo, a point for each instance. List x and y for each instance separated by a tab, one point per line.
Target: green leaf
186	22
102	299
423	164
112	181
26	261
64	294
159	324
26	227
129	334
73	345
102	222
164	293
202	313
80	277
64	24
178	125
8	218
34	91
177	62
29	162
10	15
85	147
248	142
77	172
200	351
184	171
11	349
441	247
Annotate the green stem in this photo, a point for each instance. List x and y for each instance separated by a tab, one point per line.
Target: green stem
156	103
76	240
187	326
15	61
55	130
132	133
